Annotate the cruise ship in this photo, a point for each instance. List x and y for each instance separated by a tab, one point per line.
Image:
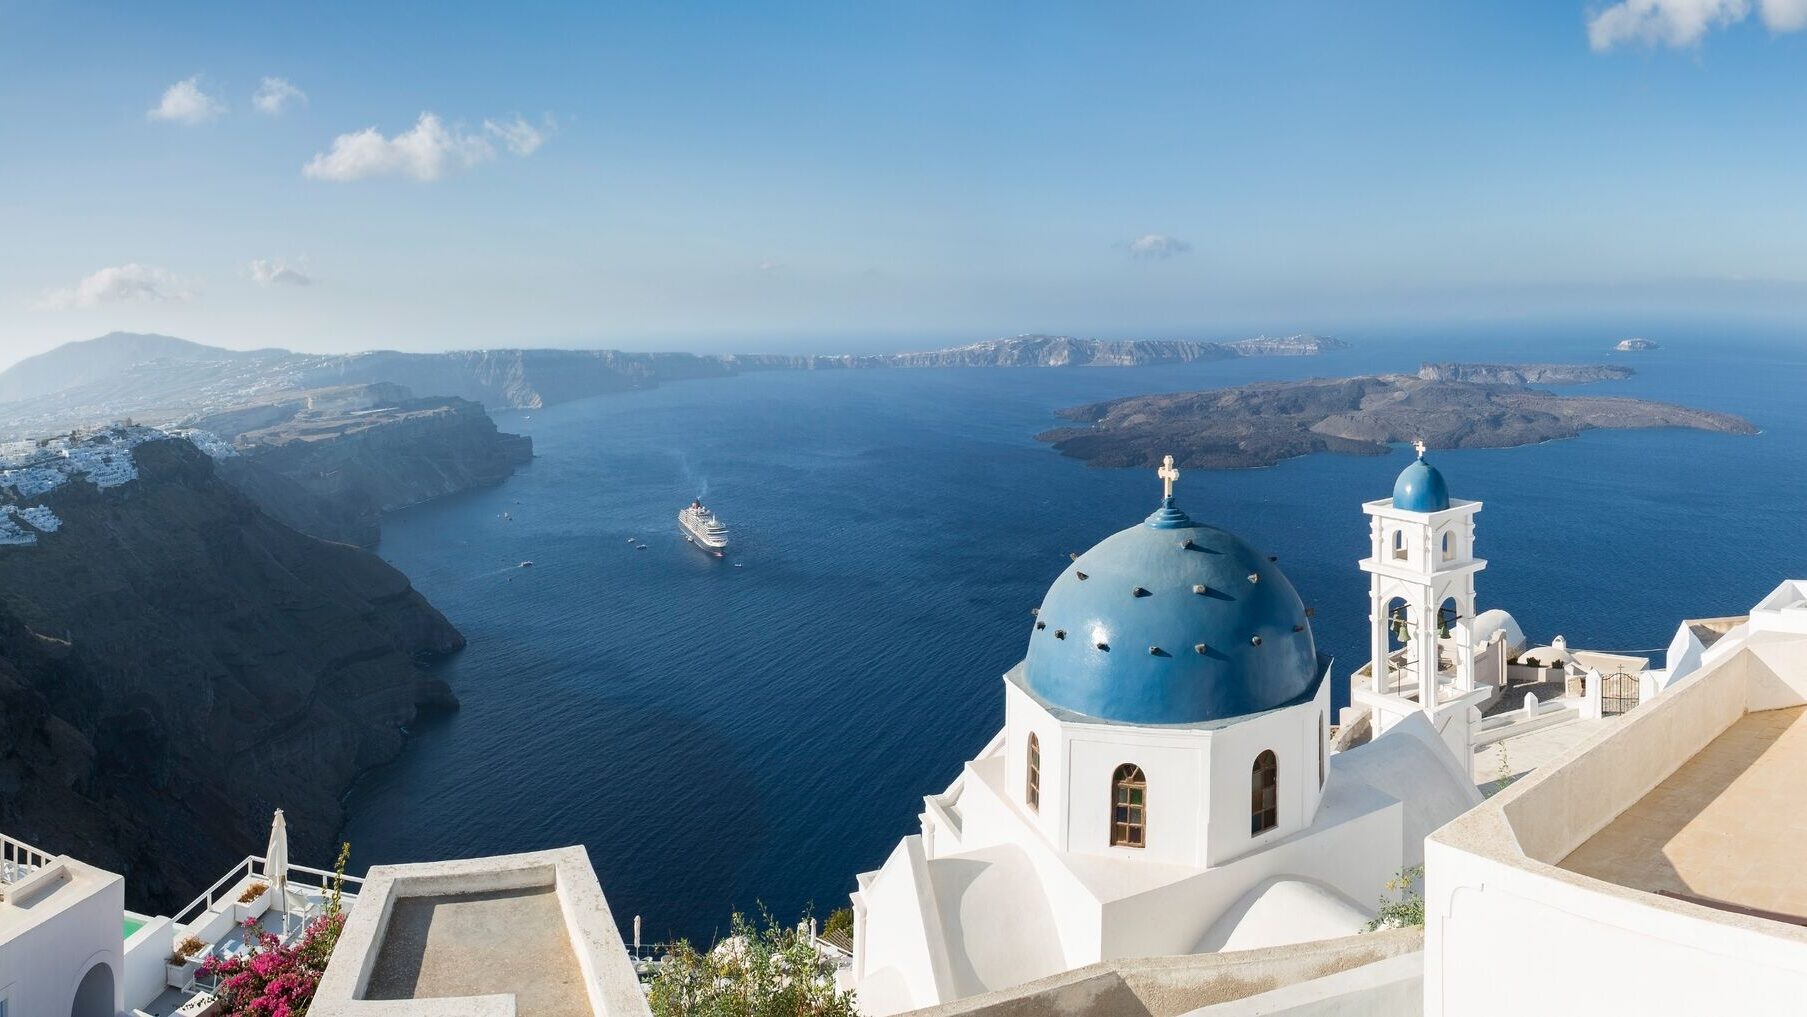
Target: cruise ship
703	529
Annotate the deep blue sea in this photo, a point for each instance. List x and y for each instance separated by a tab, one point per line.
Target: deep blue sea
720	736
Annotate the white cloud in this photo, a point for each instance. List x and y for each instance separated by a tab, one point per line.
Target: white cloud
120	284
275	95
427	151
1683	23
266	272
1783	15
521	137
1156	245
185	103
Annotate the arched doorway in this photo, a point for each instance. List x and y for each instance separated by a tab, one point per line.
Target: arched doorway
94	996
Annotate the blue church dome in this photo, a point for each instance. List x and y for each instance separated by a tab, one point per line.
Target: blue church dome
1420	487
1171	622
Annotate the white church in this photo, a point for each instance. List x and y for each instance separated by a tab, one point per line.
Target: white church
1164	782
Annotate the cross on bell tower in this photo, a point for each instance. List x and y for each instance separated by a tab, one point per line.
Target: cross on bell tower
1168	474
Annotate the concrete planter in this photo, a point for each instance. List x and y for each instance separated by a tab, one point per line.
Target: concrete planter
242	913
178	975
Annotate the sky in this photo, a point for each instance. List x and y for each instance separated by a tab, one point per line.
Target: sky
842	176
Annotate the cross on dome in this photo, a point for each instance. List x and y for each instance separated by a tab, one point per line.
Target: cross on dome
1418	443
1168	474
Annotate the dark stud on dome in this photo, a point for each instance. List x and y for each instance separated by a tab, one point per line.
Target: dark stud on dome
1200	648
1040	625
1187	544
1298	628
1140	592
1081	575
1060	633
1273	557
1155	651
1103	646
1254	640
1310	611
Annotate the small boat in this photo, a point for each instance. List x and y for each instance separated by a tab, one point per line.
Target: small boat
526	565
639	547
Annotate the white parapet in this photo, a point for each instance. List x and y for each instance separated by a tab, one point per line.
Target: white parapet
481	937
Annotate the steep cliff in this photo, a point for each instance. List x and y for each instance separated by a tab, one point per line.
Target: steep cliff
174	664
329	462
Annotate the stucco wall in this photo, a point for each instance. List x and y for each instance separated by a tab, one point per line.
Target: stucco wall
1573	798
47	945
1493	889
1354	855
1169	986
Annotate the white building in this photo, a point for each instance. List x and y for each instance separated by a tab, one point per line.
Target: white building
61	942
484	937
1163	784
1655	868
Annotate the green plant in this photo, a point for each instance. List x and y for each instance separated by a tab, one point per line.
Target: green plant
759	970
1503	779
1402	906
333	903
838	923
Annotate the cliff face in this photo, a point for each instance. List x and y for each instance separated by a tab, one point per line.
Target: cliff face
1523	374
174	664
524	379
329	462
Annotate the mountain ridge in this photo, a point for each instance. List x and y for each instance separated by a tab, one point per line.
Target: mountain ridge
163	380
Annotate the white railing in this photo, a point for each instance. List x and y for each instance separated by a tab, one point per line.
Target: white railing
253	865
19	859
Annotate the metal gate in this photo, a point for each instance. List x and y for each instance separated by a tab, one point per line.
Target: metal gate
1618	693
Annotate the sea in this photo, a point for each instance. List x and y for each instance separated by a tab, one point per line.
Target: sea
751	732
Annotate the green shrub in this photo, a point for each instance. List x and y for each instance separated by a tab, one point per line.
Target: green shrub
765	970
839	922
1408	910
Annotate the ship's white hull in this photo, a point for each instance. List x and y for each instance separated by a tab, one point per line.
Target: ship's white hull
715	545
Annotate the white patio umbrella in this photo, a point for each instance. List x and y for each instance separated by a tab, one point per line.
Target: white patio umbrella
276	867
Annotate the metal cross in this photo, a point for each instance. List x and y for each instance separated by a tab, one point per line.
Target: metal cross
1168	474
1419	445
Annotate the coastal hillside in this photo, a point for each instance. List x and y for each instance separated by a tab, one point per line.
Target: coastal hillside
174	663
1445	405
90	361
330	462
160	380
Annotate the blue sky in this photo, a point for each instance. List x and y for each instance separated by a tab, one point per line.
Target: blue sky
843	176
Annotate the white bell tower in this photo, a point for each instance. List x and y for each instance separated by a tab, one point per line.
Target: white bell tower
1421	570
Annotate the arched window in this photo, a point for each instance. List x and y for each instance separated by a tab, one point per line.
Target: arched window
1322	749
1264	805
1033	793
1129	807
1399	544
1449	546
